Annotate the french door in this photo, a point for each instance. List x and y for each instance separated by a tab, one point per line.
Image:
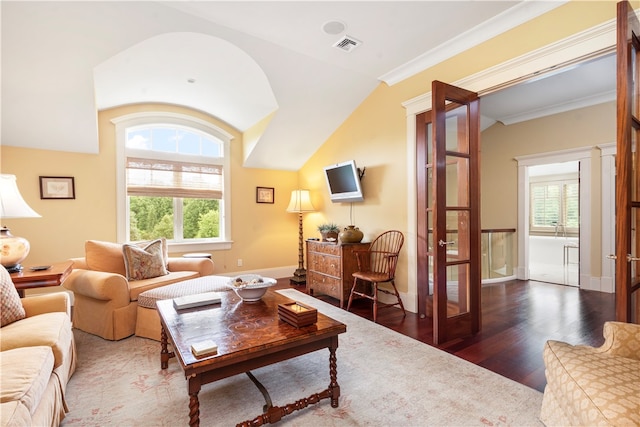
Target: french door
627	254
448	173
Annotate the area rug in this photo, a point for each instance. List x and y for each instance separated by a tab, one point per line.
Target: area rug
385	378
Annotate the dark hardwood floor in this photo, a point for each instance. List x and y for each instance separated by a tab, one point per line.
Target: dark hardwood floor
518	317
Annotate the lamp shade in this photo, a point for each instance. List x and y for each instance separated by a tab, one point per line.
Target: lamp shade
12	205
300	202
13	249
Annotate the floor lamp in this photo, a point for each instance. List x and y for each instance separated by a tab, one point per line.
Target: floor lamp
12	205
300	202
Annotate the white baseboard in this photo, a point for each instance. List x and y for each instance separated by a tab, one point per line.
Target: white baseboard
521	273
600	284
607	285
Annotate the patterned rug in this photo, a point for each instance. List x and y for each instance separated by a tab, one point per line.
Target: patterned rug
385	378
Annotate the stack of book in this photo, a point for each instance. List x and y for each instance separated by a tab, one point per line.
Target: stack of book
297	314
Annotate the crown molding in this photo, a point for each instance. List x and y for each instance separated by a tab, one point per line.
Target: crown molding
593	42
511	18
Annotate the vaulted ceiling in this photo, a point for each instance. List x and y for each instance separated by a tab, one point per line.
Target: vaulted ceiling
268	64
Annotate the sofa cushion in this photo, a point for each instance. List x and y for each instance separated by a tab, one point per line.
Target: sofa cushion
10	305
52	330
25	375
144	262
104	256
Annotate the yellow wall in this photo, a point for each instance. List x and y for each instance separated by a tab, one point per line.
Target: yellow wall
264	235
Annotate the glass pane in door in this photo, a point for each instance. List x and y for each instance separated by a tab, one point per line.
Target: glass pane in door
429	190
635	71
457	181
635	210
457	130
429	142
458	236
635	251
457	289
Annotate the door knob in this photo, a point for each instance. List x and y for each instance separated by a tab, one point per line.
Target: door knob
611	256
443	243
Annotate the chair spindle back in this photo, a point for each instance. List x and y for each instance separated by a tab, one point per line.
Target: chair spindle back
384	252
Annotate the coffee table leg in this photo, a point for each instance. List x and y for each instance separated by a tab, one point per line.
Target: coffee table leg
333	374
194	404
164	353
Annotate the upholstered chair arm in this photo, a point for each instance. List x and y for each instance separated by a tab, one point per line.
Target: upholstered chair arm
99	285
47	303
204	266
621	339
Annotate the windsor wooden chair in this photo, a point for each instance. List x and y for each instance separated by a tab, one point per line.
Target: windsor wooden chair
376	266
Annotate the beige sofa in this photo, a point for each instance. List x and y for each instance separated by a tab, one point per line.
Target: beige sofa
589	386
105	301
37	358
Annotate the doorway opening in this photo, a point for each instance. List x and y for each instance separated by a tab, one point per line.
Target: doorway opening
581	254
554	223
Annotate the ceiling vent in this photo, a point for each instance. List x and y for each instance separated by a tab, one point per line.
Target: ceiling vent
347	43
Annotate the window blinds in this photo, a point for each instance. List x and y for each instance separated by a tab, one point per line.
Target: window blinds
165	178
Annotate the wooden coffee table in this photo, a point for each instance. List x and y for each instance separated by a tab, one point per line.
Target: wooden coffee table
249	336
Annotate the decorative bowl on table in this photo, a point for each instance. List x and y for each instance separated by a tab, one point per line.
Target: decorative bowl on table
251	287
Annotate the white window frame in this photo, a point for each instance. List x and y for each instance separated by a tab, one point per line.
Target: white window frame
153	118
562	181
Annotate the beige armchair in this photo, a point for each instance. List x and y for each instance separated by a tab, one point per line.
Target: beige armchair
105	302
594	386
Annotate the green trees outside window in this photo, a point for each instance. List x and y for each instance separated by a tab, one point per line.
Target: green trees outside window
153	217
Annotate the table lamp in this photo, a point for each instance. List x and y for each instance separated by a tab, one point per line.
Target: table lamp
13	250
300	202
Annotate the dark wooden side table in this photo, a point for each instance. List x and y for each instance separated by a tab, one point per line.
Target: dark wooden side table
53	276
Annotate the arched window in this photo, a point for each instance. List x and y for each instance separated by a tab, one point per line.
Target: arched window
173	181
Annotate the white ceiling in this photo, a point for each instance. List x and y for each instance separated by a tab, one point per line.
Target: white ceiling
240	61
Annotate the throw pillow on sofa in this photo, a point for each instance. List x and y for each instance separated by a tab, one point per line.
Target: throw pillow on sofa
108	256
10	305
144	262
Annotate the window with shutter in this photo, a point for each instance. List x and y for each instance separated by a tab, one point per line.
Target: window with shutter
555	207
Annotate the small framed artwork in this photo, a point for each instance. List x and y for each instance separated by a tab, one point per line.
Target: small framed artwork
57	187
265	194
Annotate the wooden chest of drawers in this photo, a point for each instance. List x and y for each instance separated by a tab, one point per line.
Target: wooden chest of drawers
329	268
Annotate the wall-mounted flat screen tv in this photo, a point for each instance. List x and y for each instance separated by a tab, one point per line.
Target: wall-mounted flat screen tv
343	181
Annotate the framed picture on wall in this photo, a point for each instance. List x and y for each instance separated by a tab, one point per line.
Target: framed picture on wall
57	187
265	194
